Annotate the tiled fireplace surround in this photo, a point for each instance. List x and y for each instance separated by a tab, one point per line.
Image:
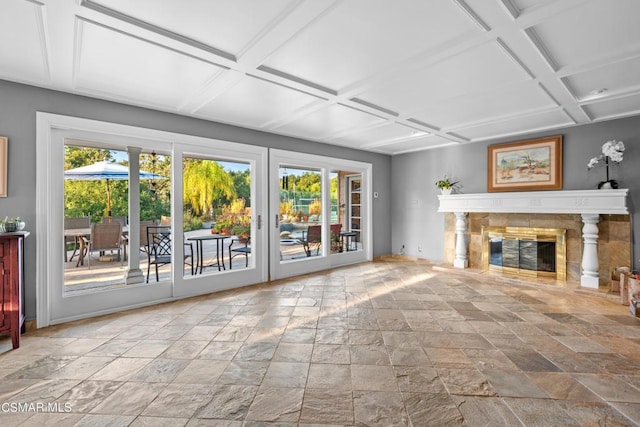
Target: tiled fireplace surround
607	241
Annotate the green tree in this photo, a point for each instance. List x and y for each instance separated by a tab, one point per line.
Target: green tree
309	182
205	181
242	184
75	157
155	195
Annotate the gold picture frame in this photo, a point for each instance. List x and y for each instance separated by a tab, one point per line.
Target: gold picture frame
530	165
4	144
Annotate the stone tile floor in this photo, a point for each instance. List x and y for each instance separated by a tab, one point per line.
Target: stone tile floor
393	342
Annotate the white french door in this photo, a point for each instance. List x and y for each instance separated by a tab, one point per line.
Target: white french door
309	227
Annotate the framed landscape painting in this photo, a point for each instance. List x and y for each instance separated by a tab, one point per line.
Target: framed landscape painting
530	165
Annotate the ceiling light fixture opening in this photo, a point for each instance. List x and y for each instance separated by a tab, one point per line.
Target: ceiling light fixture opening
598	92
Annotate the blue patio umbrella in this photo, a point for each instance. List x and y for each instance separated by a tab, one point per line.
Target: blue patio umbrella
107	171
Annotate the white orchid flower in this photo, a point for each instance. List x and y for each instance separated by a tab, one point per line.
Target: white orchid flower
611	149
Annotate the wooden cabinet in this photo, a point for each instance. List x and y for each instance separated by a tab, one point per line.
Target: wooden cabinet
11	291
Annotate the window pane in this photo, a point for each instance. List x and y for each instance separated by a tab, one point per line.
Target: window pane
300	213
217	215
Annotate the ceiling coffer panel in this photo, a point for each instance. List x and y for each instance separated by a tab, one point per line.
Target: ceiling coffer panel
541	121
254	100
154	73
499	103
614	108
478	70
226	25
22	50
619	77
594	30
357	38
330	120
418	144
386	133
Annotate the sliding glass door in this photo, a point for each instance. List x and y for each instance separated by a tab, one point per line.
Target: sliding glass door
319	215
220	217
184	216
146	224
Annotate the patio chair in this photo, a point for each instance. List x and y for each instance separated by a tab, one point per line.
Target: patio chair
143	233
312	239
104	237
240	250
124	221
159	246
71	223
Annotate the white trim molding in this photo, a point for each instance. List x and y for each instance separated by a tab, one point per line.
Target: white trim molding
590	204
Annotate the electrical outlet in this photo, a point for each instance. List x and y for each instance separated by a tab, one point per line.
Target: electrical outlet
402	250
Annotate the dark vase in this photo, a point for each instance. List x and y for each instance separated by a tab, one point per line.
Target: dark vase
606	185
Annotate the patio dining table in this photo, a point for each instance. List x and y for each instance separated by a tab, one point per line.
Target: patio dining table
79	233
219	250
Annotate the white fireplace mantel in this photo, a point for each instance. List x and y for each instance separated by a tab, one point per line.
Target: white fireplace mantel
590	204
560	202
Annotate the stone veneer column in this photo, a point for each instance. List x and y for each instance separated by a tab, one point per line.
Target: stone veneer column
461	260
590	267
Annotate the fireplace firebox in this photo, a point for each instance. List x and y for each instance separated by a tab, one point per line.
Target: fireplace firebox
536	252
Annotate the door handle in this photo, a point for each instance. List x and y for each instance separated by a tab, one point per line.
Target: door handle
277	220
259	222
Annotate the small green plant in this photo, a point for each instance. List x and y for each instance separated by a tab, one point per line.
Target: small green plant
445	183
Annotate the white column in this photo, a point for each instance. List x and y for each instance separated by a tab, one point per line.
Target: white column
461	260
590	268
134	273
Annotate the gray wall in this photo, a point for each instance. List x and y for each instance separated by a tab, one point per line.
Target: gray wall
415	222
18	107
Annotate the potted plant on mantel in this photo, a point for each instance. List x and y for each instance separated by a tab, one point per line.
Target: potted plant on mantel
445	185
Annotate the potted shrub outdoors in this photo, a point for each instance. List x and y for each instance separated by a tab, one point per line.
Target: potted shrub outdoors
222	226
233	219
445	185
241	231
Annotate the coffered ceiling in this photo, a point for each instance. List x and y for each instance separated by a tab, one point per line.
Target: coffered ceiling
379	75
